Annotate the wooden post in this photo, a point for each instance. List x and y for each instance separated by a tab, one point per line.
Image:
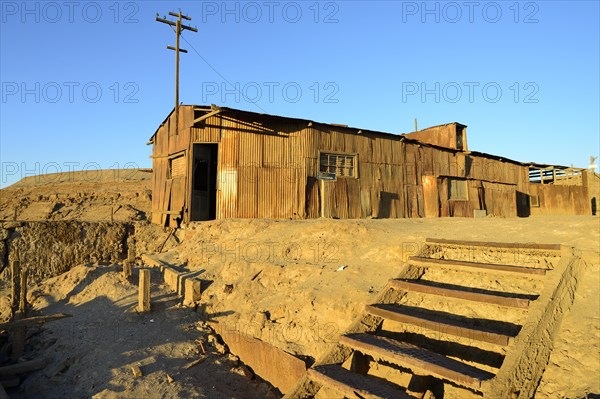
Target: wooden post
23	294
144	291
15	291
322	198
20	304
17	339
126	268
112	213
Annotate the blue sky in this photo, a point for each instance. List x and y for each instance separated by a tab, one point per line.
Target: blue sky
85	84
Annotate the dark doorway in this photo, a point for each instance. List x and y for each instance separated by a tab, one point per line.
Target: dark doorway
204	182
523	205
594	206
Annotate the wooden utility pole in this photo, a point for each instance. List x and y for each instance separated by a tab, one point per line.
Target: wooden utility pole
179	27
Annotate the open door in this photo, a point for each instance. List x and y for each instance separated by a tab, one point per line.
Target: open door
204	182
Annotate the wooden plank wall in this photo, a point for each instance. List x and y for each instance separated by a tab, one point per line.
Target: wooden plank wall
169	194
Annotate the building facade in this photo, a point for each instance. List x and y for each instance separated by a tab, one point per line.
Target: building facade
228	163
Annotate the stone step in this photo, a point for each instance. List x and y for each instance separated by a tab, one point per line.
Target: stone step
419	360
354	385
476	266
491	331
466	293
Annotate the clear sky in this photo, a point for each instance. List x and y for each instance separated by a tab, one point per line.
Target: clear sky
86	83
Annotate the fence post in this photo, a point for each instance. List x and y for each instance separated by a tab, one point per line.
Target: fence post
144	291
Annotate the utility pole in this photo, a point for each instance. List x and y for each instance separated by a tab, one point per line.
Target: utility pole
179	27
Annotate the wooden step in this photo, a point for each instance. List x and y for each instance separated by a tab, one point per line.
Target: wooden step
508	245
419	360
491	331
473	266
466	293
354	385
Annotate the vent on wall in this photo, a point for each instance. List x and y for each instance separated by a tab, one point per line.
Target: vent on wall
534	201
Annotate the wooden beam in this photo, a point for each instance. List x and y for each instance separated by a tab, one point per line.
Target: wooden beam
15	289
32	320
488	244
444	290
23	293
23	367
166	212
126	269
474	266
206	116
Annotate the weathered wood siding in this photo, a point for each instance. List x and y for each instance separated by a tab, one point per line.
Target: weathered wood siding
168	192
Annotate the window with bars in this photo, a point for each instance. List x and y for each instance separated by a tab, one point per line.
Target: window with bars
343	165
457	189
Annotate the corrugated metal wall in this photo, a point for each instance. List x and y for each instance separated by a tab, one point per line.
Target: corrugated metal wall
268	167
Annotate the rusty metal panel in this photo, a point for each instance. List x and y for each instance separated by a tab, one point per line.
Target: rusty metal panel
227	194
248	192
430	197
276	151
229	149
251	149
560	200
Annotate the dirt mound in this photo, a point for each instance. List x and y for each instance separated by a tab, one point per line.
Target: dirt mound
97	195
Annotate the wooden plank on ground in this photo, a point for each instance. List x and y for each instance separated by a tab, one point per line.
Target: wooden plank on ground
518	245
429	320
416	358
467	293
353	384
473	266
32	320
23	367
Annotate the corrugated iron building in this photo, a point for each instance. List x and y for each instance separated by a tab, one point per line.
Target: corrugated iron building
228	163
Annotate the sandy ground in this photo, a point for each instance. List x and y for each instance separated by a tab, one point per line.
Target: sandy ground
299	284
295	284
91	353
574	367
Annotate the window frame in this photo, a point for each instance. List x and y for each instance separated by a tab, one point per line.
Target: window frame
463	181
355	161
